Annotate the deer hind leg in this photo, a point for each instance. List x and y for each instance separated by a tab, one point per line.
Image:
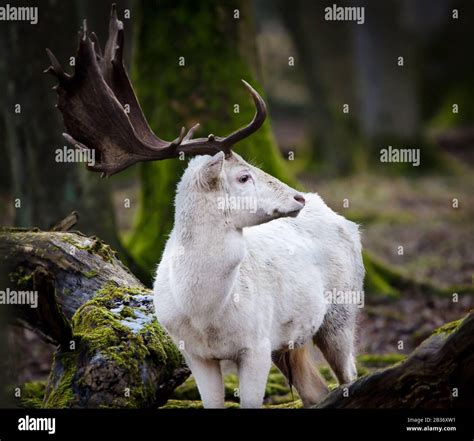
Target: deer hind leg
335	339
298	367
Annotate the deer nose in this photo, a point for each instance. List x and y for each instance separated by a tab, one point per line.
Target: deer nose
299	198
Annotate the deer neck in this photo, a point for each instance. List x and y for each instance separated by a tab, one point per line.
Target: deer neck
212	250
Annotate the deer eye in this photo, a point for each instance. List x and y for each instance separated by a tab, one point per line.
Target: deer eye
244	178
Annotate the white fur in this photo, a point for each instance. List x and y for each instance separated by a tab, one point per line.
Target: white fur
232	285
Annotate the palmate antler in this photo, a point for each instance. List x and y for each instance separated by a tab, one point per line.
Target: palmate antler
92	102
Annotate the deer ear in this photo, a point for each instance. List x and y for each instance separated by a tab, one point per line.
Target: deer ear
213	168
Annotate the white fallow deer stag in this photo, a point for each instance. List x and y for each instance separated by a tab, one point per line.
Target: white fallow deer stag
244	282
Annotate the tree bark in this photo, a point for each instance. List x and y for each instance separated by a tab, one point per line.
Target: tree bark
439	374
48	190
111	350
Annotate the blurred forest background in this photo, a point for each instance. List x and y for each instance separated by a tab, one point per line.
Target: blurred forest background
310	71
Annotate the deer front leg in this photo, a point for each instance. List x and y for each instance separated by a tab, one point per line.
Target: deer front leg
253	367
208	376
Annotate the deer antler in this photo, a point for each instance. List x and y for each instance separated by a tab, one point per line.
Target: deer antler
93	100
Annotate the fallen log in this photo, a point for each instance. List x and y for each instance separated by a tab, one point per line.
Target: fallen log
439	374
111	350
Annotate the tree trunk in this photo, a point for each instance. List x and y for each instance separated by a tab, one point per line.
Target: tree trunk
437	375
194	79
111	350
361	68
325	69
41	190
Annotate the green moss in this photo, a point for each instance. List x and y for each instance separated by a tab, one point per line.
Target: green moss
297	404
449	328
362	370
183	404
102	249
62	395
21	278
32	394
196	404
445	118
71	240
281	399
378	278
380	360
99	330
102	329
365	217
127	312
326	373
90	274
384	280
276	389
187	391
277	386
96	246
192	404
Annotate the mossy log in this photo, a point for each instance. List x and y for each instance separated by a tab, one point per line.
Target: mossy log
111	350
438	374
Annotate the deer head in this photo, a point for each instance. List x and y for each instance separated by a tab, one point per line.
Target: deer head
233	190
